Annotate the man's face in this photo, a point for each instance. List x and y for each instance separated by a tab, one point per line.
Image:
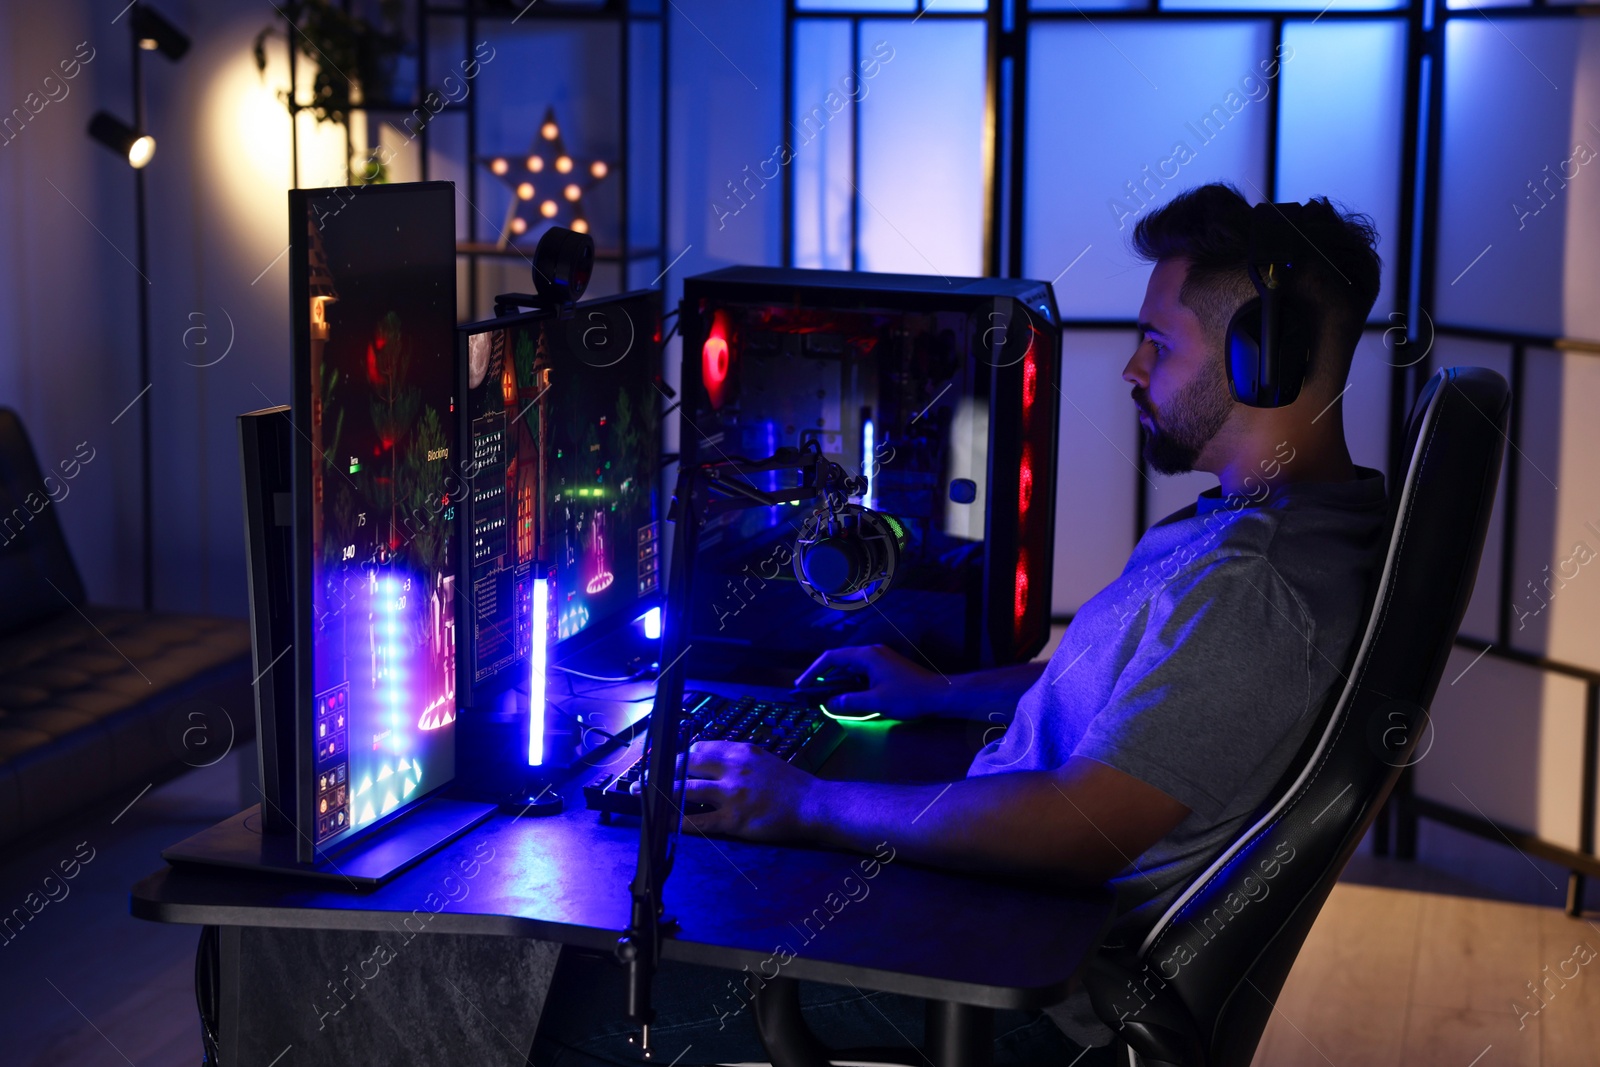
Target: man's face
1179	383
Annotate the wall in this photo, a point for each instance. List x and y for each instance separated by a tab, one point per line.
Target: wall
66	280
216	284
216	280
1519	211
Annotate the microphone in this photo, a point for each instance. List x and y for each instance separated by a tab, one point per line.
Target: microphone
845	557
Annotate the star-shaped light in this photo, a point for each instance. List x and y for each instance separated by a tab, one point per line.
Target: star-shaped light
547	184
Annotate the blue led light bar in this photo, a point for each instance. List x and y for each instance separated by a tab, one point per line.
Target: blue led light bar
538	661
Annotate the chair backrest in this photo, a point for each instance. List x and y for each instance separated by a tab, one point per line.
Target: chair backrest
1196	989
37	576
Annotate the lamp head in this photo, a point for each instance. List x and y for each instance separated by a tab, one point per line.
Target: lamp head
155	34
136	147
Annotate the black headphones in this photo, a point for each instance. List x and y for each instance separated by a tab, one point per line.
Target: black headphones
1270	337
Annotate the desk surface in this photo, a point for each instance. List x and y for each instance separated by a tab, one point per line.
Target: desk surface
904	929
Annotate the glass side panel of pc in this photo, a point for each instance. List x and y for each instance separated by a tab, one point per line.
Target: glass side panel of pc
941	393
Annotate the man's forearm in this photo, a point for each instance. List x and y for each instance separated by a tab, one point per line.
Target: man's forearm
982	695
1013	823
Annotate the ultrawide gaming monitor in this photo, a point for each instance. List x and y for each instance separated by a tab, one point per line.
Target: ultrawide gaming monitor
372	286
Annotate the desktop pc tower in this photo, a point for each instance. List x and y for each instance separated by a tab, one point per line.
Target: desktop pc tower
942	392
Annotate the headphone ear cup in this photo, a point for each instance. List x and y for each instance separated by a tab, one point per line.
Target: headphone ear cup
1243	352
1296	338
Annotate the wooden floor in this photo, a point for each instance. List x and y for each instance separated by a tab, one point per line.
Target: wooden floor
1391	977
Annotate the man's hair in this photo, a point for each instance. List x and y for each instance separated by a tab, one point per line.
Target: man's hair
1209	226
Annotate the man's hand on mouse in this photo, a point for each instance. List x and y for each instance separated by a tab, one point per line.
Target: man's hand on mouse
756	795
896	687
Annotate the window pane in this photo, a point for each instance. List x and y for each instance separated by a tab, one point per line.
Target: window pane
1509	739
1341	124
725	124
1516	219
1105	144
821	137
1099	446
1088	5
1282	5
856	5
922	150
1555	604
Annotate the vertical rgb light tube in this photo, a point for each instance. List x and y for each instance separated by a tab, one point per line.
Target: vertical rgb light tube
538	657
869	461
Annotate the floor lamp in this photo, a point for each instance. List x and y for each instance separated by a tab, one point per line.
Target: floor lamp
149	32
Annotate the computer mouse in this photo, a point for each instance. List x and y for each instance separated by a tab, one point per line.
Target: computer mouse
831	681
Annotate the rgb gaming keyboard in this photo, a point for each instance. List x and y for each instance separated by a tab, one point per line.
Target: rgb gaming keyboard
799	733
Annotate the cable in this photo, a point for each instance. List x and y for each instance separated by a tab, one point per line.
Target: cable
562	710
634	677
207	994
586	694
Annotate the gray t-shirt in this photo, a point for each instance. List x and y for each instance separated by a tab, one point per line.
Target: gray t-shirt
1200	669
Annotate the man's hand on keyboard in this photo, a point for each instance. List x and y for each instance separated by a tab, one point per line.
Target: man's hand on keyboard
756	794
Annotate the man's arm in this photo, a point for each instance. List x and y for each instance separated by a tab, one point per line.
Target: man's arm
1082	822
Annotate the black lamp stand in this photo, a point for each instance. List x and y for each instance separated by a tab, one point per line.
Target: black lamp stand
142	256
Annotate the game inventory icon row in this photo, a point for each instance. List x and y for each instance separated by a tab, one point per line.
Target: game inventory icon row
333	800
333	769
332	714
649	557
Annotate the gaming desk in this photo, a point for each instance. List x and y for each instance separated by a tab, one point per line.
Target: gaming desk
963	943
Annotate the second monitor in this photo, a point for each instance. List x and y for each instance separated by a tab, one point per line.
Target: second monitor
563	426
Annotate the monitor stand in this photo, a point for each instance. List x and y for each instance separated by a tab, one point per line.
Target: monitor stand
239	843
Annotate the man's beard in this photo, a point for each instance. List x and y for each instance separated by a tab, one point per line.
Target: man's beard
1177	435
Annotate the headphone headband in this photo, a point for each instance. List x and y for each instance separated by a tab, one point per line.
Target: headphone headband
1277	233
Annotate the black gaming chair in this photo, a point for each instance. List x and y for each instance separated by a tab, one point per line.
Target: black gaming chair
1196	988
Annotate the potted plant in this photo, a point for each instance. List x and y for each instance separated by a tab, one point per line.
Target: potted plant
356	61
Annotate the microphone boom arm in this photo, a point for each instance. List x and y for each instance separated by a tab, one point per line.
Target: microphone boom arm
702	491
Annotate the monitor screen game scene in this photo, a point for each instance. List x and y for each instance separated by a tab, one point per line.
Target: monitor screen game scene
379	277
564	423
